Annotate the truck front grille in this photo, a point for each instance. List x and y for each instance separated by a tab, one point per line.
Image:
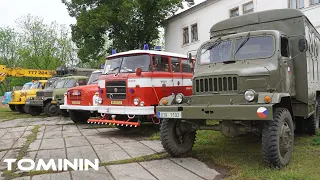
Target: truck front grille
116	89
39	93
75	95
216	84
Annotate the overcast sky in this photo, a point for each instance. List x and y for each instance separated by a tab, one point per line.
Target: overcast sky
49	10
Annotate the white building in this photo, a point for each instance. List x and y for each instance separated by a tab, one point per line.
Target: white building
188	29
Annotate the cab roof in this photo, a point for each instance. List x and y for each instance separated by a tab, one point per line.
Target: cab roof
255	18
148	52
74	77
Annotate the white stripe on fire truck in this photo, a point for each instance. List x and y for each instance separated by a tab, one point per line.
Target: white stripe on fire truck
157	82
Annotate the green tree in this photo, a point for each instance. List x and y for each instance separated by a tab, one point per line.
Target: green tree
128	23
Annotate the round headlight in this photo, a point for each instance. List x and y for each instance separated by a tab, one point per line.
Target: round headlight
100	100
179	98
249	95
136	101
141	103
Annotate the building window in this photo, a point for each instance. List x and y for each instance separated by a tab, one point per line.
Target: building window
315	2
234	12
297	4
248	8
185	35
194	32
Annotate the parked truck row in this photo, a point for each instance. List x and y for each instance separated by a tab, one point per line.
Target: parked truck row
258	73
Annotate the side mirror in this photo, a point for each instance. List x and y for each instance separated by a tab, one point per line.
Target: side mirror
190	57
303	45
138	71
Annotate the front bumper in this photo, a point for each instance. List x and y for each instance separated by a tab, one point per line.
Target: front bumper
16	103
35	102
221	112
85	108
128	110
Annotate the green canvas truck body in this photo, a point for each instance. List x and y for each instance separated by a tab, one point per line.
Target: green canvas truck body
258	73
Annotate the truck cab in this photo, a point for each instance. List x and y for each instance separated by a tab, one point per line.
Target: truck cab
19	98
78	100
61	88
7	95
38	104
134	81
257	74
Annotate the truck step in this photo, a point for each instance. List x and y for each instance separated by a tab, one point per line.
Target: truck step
114	122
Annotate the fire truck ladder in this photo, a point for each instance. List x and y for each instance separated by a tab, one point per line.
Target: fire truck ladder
113	121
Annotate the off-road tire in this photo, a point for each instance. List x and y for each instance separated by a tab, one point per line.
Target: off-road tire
282	125
20	109
51	109
12	107
35	110
169	139
79	116
63	113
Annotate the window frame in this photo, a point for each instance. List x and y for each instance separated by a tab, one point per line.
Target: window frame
192	32
179	61
187	40
313	4
187	62
233	9
248	12
297	4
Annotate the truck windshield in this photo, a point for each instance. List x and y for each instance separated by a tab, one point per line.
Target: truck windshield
60	84
70	83
26	86
255	48
128	64
217	52
36	85
94	78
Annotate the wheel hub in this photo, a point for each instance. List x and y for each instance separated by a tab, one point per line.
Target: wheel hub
53	109
285	138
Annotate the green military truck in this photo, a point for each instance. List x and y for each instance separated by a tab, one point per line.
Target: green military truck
43	98
258	73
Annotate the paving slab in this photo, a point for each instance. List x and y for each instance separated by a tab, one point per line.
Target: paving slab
71	133
131	171
55	154
89	132
135	148
17	129
102	173
76	141
7	143
13	135
110	152
196	167
70	127
83	126
19	143
2	153
120	139
95	140
154	145
52	143
83	152
2	133
54	128
40	134
29	128
26	134
52	134
41	128
53	176
166	169
1	178
34	146
23	178
12	154
30	155
105	130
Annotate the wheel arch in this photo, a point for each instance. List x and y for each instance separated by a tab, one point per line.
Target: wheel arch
285	102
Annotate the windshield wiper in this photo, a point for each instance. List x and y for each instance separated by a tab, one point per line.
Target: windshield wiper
243	43
215	44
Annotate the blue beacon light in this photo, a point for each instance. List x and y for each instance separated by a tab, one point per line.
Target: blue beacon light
114	51
145	47
131	91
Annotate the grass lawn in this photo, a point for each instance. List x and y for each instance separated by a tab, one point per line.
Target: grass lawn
6	114
242	157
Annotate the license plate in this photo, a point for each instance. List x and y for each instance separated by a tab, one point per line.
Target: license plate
173	115
75	102
116	102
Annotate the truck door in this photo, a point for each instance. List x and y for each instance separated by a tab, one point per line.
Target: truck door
162	79
187	73
287	66
176	75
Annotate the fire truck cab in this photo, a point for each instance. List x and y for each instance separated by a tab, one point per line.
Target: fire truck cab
133	82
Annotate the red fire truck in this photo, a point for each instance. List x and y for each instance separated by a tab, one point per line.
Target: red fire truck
78	102
133	82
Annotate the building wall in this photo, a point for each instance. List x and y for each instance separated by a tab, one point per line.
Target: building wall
217	11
